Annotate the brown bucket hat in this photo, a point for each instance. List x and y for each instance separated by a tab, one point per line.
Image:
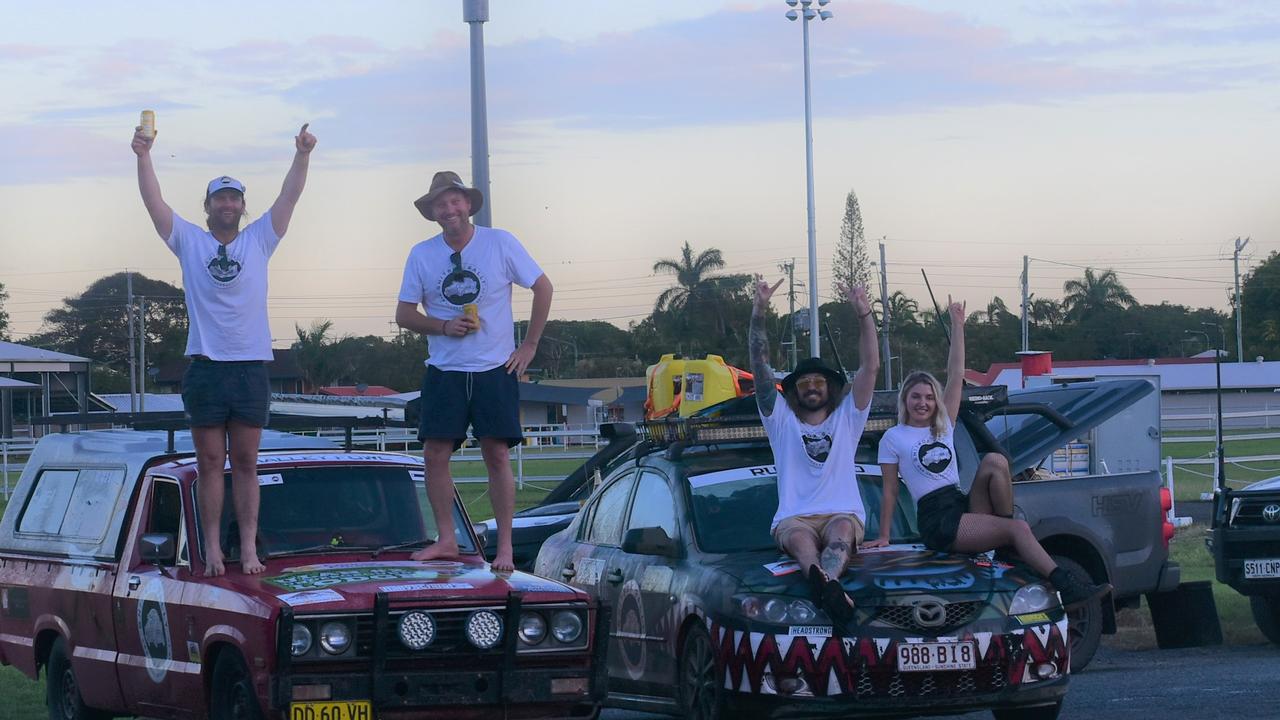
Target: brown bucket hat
443	181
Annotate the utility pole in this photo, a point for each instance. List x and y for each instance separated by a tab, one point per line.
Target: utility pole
133	359
1236	298
142	353
884	321
1026	303
476	13
790	269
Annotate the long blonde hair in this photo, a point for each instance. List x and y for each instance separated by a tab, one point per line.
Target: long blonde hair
938	423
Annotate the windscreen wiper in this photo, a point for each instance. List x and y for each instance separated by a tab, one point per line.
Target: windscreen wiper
317	548
401	546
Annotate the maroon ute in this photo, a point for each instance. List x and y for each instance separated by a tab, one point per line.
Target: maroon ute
102	586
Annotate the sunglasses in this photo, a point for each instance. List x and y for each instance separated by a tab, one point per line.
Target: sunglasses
813	382
456	259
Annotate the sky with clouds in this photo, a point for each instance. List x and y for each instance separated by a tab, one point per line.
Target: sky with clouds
1132	135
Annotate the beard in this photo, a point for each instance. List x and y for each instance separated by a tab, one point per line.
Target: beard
216	221
813	400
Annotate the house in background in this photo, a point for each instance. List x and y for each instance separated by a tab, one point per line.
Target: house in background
283	372
1187	387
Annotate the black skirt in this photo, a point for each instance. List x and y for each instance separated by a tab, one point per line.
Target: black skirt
938	516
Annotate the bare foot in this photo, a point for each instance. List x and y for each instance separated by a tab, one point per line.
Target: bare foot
502	562
213	566
251	565
437	551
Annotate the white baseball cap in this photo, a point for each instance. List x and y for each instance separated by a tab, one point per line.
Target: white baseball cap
224	182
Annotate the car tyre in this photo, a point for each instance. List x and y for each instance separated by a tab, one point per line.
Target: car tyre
700	690
1039	712
233	697
1266	613
1084	624
62	692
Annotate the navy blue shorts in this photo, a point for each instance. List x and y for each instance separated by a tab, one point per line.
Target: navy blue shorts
215	393
488	402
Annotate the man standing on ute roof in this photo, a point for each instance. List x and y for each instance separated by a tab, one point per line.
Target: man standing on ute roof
226	395
814	436
462	278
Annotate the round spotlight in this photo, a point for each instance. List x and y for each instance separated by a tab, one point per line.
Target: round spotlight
484	629
416	629
1044	671
533	629
566	626
301	640
335	637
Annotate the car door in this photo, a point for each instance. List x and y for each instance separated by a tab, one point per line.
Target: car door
159	673
593	565
646	607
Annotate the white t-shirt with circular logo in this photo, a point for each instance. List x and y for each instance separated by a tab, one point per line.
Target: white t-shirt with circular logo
226	289
487	267
925	463
817	464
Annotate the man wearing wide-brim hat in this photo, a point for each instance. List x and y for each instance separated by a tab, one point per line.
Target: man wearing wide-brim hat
814	436
462	279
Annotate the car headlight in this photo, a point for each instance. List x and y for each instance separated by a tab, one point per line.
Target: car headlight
533	629
301	642
484	629
566	626
777	610
335	637
1032	598
416	629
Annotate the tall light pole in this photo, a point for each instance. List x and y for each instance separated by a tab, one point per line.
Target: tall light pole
1221	467
476	13
808	13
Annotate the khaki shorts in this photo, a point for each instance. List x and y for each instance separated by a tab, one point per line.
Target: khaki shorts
815	525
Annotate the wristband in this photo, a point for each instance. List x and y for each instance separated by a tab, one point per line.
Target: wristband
444	327
865	314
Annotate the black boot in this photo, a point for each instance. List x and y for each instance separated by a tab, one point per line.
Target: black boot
1074	591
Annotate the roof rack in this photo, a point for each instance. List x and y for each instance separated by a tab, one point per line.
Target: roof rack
173	422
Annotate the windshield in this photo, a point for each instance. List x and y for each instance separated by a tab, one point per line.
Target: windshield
310	509
733	509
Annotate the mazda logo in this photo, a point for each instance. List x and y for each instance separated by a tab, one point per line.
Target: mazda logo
930	613
1271	513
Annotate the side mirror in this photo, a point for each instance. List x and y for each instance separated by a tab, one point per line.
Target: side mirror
481	530
649	541
157	549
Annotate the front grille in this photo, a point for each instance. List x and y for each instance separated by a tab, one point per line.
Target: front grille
950	684
903	616
451	636
1251	513
1233	549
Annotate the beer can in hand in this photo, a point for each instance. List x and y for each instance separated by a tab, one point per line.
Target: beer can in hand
472	311
148	123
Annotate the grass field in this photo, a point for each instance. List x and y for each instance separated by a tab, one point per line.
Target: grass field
1190	482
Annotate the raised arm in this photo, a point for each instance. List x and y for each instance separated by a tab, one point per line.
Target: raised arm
160	212
758	348
294	181
864	383
954	391
888	502
523	355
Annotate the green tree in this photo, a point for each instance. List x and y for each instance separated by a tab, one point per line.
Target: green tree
4	316
1260	308
851	268
1045	312
315	353
701	307
1095	293
94	324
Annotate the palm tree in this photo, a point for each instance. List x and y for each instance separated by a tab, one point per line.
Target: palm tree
1045	311
996	309
696	290
1092	294
314	355
903	311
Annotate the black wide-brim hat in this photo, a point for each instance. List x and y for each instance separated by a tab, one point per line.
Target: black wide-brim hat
812	365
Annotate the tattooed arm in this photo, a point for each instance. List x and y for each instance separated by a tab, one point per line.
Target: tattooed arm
758	349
